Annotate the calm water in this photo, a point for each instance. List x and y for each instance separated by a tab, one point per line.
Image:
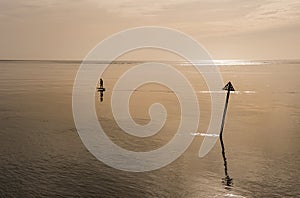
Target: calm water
41	154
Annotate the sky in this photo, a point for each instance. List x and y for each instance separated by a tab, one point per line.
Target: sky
228	29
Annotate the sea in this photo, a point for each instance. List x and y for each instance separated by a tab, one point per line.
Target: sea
43	155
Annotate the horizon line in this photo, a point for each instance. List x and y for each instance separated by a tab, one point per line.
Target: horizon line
136	60
184	63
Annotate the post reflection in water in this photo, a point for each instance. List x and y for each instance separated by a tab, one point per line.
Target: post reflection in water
227	180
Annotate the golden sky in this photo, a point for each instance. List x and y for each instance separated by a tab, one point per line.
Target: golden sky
228	29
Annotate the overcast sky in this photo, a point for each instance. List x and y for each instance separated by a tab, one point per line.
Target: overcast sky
228	29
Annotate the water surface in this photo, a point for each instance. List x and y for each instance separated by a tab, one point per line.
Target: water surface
42	155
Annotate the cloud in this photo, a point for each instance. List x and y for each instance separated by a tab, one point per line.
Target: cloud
211	17
141	7
83	22
255	16
276	11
